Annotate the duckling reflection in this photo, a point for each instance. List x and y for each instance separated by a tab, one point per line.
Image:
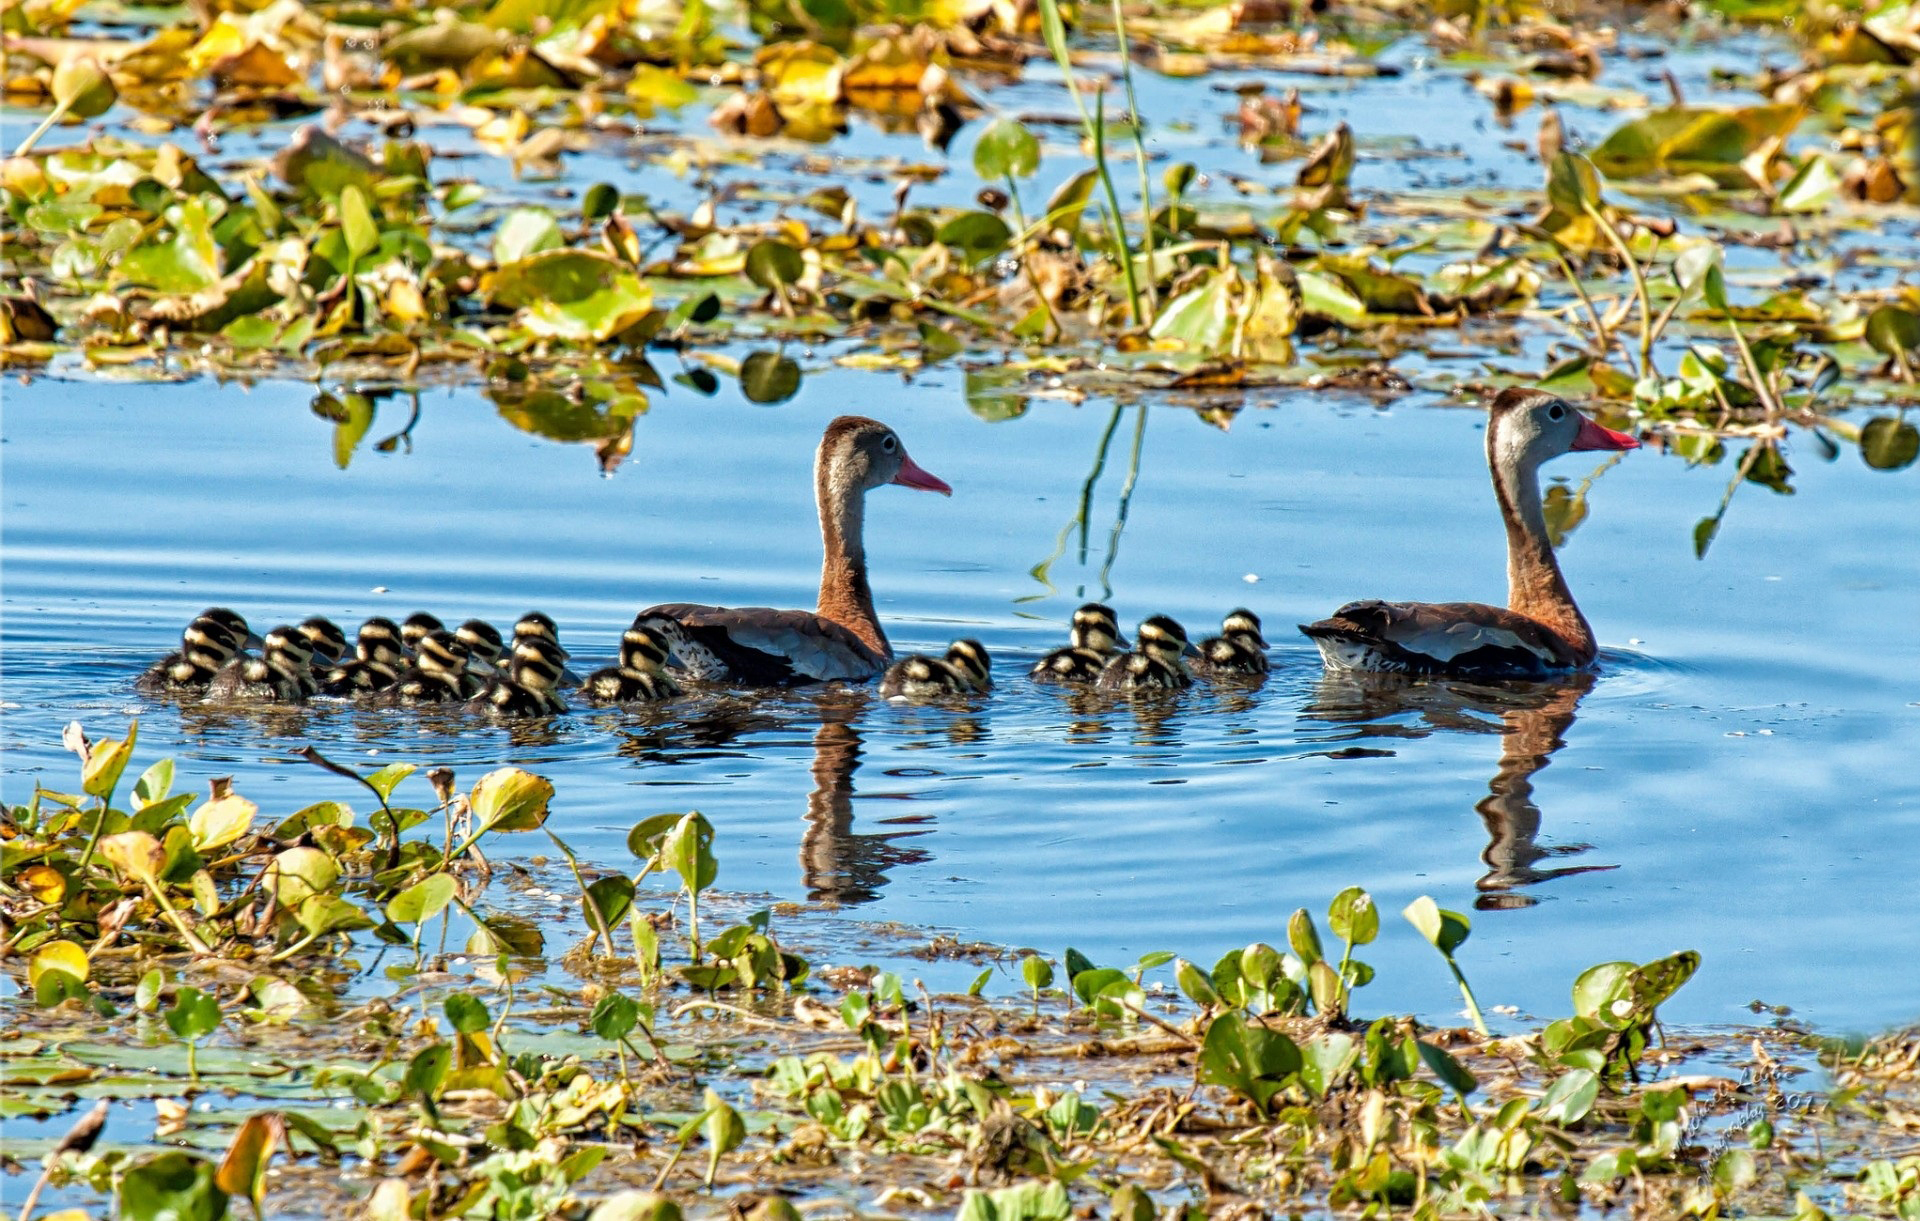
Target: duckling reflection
1533	719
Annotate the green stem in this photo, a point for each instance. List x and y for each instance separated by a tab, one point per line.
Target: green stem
58	113
1639	286
1473	1006
1140	153
173	917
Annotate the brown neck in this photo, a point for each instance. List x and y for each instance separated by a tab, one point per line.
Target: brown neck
845	597
1535	586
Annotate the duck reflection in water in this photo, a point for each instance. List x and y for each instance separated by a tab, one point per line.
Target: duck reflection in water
1532	720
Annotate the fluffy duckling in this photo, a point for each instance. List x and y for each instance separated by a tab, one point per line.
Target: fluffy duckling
1156	661
378	658
1239	649
534	625
641	676
283	673
438	675
528	690
417	627
214	637
483	641
965	670
328	642
1093	638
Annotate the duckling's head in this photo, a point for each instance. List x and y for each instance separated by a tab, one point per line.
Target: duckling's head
287	648
216	632
441	652
644	649
1163	638
858	454
481	638
969	658
325	638
1245	624
533	624
417	627
537	663
1095	627
378	640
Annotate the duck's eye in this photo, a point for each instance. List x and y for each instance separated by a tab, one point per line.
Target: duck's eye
889	443
1556	412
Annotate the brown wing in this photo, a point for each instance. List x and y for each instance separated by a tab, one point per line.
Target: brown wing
1467	639
761	647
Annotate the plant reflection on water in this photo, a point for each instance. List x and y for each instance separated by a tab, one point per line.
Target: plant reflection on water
1532	720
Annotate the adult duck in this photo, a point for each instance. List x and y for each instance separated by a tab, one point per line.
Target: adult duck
1540	631
841	638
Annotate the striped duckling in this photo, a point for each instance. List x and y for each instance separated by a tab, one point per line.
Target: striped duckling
485	648
965	670
438	675
535	625
528	689
641	676
328	642
378	658
214	638
1156	663
1239	649
1093	638
283	673
417	627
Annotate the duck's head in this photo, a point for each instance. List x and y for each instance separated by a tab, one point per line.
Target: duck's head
1526	427
482	639
1244	625
537	663
417	627
441	652
1095	627
858	454
287	648
1163	639
644	649
378	640
534	625
969	658
325	638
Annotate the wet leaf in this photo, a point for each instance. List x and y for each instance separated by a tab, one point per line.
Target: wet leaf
774	265
509	799
575	295
221	821
193	1015
1353	917
104	765
243	1171
423	900
171	1186
1445	930
1888	443
1006	148
1686	139
62	966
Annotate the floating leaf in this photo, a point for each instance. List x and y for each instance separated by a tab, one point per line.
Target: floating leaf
1687	139
1888	443
62	967
573	294
171	1186
193	1014
769	377
774	265
1006	148
423	900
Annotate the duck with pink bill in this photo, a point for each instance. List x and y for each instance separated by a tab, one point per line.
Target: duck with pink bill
1540	632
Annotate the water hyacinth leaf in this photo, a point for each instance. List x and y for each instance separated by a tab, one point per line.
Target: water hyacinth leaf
1068	205
1195	983
1089	984
1604	993
1572	185
1200	320
1326	297
1247	1058
154	784
600	201
688	851
220	821
1813	187
1690	268
1445	930
1324	984
1888	443
1325	1060
635	1206
610	896
1006	149
193	1014
1893	331
187	261
135	854
1570	1098
1030	1201
1353	917
298	874
243	1171
388	778
724	1129
1689	139
525	232
509	799
83	87
356	223
466	1013
1450	1071
768	377
57	970
774	265
578	295
1303	937
428	1069
976	235
1658	980
423	900
1037	971
614	1017
174	1186
103	768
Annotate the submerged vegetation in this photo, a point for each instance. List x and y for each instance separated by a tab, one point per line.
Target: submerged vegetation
325	1007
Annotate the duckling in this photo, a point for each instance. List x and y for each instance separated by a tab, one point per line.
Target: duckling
529	688
438	675
1156	662
328	642
1239	649
483	641
641	676
965	670
533	624
417	627
1094	637
283	673
378	659
214	637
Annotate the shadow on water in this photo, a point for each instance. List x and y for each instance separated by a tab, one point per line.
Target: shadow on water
1532	720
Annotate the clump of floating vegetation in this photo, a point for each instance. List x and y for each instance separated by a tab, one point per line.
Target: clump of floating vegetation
327	1011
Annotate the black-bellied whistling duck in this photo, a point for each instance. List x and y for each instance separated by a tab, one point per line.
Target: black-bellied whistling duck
1238	650
378	658
640	678
527	689
841	638
1093	638
282	673
965	670
1540	631
1156	663
214	637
